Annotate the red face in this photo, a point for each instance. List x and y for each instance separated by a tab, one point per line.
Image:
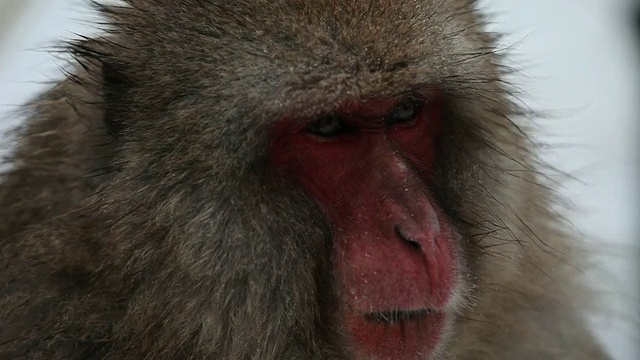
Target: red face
370	168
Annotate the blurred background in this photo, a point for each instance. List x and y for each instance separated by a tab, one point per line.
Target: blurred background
580	62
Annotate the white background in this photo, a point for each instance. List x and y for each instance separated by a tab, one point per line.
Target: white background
581	65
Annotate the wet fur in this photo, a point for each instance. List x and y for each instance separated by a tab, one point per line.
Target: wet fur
141	219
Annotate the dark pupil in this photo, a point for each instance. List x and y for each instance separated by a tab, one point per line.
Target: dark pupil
327	126
402	113
333	125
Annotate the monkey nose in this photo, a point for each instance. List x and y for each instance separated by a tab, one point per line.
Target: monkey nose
407	237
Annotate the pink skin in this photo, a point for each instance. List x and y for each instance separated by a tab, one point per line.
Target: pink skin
394	247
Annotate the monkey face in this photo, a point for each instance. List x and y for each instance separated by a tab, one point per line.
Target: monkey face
371	165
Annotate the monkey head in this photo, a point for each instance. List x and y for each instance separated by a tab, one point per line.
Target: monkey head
283	179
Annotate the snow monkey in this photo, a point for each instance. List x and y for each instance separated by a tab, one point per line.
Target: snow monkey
284	180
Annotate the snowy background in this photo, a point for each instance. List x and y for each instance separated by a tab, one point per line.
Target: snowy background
581	62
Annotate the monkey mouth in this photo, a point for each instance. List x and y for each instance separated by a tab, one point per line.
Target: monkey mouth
398	316
398	334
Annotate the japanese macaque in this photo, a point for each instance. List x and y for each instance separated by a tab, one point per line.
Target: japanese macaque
283	179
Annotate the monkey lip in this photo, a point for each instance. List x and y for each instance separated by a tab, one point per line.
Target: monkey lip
397	334
397	316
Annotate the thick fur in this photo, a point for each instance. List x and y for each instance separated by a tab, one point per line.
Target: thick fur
141	218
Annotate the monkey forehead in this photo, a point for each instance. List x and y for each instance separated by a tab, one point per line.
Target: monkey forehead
310	57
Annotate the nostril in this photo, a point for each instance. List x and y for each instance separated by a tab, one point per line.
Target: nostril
407	239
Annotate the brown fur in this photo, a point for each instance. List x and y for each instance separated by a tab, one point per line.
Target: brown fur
141	219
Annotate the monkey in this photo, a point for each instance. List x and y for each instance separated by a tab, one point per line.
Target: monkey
283	179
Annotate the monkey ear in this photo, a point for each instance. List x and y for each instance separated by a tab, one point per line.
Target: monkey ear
114	86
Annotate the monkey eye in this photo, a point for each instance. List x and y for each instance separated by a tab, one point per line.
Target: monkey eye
403	113
328	126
